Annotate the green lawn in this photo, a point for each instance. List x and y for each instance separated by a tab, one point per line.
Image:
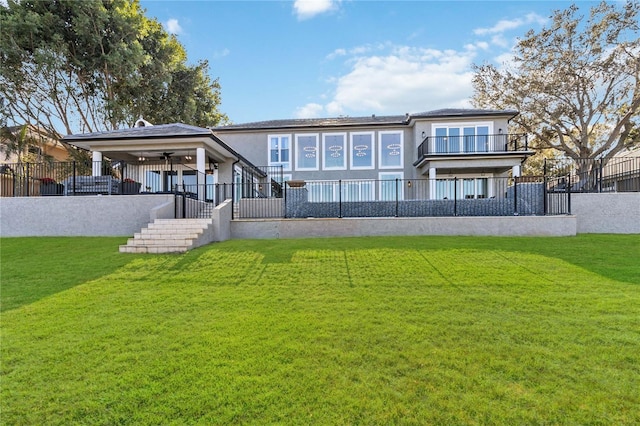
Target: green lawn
411	330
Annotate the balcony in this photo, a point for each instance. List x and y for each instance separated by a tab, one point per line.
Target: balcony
472	145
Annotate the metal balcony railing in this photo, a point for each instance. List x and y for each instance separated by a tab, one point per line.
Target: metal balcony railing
472	144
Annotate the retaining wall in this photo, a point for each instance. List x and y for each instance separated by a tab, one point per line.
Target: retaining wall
355	227
615	213
89	215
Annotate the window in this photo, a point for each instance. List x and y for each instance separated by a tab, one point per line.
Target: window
362	152
467	138
307	153
445	189
462	188
322	192
334	151
390	184
280	151
360	190
391	150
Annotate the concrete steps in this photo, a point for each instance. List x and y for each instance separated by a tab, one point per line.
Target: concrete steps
170	236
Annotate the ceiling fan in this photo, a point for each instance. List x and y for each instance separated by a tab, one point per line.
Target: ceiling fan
166	155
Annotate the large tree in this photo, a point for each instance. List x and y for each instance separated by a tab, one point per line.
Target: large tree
71	66
576	82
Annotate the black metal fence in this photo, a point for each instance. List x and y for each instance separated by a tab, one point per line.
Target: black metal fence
468	144
618	174
406	198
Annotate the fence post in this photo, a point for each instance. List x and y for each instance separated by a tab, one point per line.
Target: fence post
515	196
233	196
600	175
284	195
569	195
455	197
28	183
340	198
75	173
397	196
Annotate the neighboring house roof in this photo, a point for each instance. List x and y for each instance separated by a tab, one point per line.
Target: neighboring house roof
373	120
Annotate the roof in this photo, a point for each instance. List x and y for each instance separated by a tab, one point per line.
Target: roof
461	112
373	120
156	131
317	122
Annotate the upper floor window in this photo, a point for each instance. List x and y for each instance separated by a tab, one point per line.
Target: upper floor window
391	150
362	151
462	138
307	153
334	151
280	151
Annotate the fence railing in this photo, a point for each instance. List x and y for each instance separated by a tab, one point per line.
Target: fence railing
472	144
407	198
618	174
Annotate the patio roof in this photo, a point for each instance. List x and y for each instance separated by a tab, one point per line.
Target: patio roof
155	140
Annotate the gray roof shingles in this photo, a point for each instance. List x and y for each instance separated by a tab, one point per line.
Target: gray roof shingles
156	131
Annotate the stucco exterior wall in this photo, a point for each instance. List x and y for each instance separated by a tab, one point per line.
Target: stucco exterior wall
115	215
354	227
616	213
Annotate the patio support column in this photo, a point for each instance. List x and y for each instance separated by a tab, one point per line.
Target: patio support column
432	183
516	171
200	165
96	169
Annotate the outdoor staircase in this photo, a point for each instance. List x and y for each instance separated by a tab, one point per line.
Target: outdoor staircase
170	236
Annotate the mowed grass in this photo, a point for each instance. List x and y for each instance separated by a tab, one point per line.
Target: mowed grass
418	330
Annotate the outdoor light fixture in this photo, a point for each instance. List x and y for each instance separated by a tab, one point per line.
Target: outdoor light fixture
187	157
424	135
499	131
409	184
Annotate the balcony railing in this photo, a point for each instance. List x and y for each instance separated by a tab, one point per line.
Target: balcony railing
472	144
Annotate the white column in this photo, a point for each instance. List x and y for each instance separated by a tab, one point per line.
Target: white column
432	183
516	171
200	165
96	169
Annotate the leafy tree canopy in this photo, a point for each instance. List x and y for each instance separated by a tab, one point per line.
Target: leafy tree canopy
576	82
73	66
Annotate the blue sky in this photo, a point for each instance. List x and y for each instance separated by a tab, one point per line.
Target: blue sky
326	58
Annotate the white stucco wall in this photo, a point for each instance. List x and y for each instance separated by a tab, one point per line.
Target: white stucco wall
114	215
356	227
616	213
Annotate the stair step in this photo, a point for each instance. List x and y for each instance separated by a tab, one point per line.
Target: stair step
168	236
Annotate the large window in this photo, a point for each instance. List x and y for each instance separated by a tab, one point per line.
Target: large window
391	186
346	190
391	150
462	188
280	151
334	151
463	138
362	151
307	153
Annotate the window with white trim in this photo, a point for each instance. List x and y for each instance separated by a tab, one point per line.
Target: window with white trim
461	138
358	190
391	187
362	151
346	190
334	151
466	188
391	152
280	151
307	152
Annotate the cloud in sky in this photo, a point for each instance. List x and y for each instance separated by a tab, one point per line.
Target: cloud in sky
305	9
505	25
172	26
391	79
402	79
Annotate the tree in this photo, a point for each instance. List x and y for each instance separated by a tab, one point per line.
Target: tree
576	83
71	66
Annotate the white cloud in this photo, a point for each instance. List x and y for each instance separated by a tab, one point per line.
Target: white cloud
310	110
404	79
4	3
221	53
505	25
172	26
305	9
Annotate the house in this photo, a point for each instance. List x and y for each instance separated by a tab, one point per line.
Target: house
366	155
470	144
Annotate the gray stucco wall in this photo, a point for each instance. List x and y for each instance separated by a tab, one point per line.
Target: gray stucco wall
617	213
115	215
355	227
